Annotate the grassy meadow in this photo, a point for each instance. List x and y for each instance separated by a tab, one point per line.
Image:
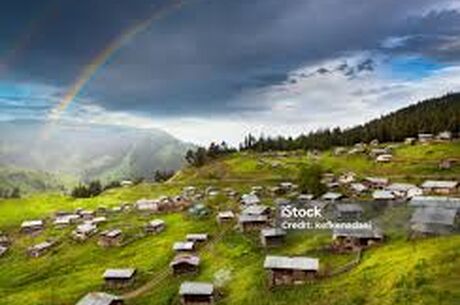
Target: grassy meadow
401	271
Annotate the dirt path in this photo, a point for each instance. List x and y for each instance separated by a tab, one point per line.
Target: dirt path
161	275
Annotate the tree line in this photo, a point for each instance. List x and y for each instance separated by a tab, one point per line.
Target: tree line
201	155
6	193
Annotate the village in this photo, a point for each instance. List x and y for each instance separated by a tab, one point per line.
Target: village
432	207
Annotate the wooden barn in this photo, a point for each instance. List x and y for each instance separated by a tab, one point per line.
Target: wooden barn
100	298
185	264
196	293
112	238
349	240
119	278
283	270
155	226
84	231
252	222
272	237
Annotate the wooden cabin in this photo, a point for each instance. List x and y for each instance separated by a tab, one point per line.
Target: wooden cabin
112	238
40	249
119	278
252	222
32	226
440	187
84	231
283	270
272	237
155	226
196	293
225	217
100	298
197	237
185	264
349	240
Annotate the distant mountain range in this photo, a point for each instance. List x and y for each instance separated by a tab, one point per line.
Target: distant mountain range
89	151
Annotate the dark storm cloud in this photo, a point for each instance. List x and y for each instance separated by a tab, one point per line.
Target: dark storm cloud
197	59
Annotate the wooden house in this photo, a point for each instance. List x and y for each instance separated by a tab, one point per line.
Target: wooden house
355	239
184	246
358	188
404	190
225	217
87	214
155	226
185	264
119	278
40	249
66	220
384	158
376	182
32	226
196	293
440	187
283	270
84	231
425	138
111	238
100	298
427	221
348	212
252	222
272	237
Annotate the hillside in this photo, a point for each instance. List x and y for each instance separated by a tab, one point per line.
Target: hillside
90	152
423	272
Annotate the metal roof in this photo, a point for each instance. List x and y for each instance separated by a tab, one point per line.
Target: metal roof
226	214
196	288
255	210
435	201
294	263
430	215
383	195
98	298
252	218
32	223
188	259
332	196
197	237
156	223
439	184
349	207
249	199
180	245
401	187
119	273
358	233
272	232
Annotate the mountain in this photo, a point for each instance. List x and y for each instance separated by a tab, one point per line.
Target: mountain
89	151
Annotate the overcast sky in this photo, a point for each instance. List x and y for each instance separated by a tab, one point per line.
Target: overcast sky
211	70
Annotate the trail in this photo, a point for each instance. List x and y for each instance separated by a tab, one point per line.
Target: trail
160	277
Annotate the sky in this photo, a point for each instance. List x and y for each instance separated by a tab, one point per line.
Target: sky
213	70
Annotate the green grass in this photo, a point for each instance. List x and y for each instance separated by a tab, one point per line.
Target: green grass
422	272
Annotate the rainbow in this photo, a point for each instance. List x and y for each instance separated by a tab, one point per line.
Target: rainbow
92	67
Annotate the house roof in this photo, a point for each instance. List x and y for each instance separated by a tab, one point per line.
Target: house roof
197	237
32	223
294	263
41	246
112	233
226	214
87	227
196	288
255	210
376	180
349	207
188	259
156	223
332	196
252	218
383	195
358	187
181	245
430	215
98	298
119	273
435	201
249	199
272	232
401	187
439	184
358	233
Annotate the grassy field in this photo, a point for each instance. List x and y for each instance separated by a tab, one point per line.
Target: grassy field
422	272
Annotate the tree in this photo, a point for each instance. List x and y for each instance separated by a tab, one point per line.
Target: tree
310	179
